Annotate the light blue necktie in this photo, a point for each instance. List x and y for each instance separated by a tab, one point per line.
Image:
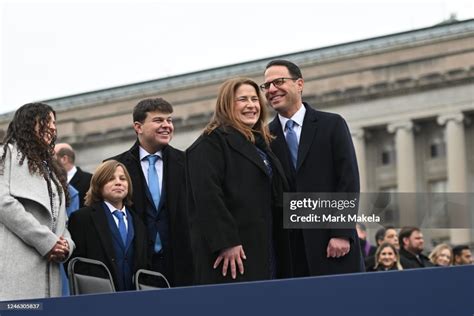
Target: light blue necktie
292	141
121	225
153	183
154	187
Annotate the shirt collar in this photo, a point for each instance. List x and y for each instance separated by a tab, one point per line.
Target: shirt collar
71	173
112	209
298	117
144	153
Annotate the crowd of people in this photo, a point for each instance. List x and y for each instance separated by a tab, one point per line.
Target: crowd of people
404	250
212	214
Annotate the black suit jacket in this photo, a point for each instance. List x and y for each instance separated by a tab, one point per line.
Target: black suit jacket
231	203
174	183
91	233
326	163
410	261
81	182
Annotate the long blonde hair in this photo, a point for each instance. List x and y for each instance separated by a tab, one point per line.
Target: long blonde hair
379	251
437	251
224	112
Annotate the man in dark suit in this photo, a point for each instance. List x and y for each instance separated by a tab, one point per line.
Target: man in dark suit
159	197
316	151
411	248
77	178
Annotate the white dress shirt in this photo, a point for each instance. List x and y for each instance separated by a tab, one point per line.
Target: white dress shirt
298	118
112	209
158	165
71	173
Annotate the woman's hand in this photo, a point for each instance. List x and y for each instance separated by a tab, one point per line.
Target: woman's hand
231	256
60	251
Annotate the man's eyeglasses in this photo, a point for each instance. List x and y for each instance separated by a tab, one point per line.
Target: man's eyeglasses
276	82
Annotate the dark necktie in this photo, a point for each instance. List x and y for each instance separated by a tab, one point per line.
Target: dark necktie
292	141
121	225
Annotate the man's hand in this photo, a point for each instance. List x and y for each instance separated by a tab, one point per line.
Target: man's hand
231	256
338	247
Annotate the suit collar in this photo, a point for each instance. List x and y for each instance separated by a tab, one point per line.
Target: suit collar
307	134
100	222
142	153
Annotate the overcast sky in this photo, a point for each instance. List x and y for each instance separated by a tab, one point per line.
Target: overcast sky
51	49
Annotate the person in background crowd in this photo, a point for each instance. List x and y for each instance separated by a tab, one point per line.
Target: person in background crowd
235	192
107	229
76	177
367	249
441	255
387	258
383	235
411	247
34	239
462	255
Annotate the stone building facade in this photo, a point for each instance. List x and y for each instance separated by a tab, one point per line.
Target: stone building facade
408	99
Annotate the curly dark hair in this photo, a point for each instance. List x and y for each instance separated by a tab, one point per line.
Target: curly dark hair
29	118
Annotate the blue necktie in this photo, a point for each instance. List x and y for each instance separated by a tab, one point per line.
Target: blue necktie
153	183
292	141
121	225
154	187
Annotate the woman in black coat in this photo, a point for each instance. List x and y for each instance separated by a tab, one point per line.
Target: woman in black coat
235	190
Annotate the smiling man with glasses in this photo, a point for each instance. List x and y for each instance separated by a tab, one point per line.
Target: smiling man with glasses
317	154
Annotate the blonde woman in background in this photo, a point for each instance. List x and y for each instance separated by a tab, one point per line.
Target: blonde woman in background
442	255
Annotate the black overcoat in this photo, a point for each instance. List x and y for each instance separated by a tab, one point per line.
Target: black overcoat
326	163
174	182
233	201
91	233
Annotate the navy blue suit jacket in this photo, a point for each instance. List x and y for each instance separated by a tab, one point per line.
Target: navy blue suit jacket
94	238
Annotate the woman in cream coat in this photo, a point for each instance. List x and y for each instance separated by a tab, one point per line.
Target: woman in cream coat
33	235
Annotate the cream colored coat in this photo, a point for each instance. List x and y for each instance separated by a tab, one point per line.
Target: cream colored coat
26	234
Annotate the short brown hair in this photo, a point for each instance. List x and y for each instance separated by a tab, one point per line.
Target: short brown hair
406	232
141	110
101	176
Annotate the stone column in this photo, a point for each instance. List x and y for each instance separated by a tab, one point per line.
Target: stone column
406	171
405	147
456	167
455	151
359	145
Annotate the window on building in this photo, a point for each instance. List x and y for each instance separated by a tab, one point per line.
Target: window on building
438	186
437	148
388	155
